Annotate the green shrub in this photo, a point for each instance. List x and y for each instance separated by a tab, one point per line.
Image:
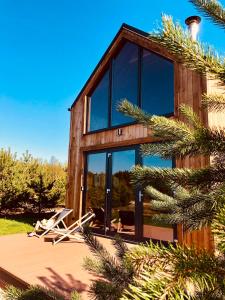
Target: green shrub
33	293
30	183
36	293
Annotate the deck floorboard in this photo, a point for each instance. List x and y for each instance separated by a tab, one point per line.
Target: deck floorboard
34	261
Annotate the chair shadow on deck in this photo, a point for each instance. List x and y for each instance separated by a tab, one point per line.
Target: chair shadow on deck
65	286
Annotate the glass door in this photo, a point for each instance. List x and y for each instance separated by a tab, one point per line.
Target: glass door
109	193
122	202
95	189
117	206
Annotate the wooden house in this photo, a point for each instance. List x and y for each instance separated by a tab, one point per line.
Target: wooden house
104	144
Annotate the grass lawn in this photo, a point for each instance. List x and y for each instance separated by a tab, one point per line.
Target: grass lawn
11	226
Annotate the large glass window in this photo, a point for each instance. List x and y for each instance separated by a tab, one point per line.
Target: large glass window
143	77
124	80
157	88
99	105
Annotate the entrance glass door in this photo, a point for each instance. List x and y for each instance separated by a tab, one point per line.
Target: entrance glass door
123	199
109	193
96	189
117	206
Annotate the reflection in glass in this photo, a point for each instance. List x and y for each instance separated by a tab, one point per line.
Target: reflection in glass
99	105
124	80
95	191
123	196
157	86
152	229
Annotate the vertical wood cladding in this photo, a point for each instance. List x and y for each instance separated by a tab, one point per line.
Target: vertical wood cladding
188	89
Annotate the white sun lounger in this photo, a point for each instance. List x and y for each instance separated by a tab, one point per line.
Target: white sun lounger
73	229
59	218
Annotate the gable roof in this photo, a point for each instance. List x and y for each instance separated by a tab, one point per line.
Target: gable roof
124	32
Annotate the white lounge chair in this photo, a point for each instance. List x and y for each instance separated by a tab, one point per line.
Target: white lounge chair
58	218
73	229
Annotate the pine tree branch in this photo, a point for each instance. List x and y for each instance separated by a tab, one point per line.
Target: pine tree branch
178	138
110	267
191	53
212	9
174	273
204	178
169	129
115	272
120	247
154	194
194	210
165	128
102	290
135	112
214	102
218	228
92	265
141	177
202	141
190	116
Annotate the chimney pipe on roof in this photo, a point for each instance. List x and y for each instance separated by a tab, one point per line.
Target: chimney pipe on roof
193	26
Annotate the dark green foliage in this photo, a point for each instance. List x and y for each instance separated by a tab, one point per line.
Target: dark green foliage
12	293
12	180
128	109
29	183
114	271
41	192
218	228
36	293
102	290
213	102
75	296
175	273
192	209
121	248
33	293
203	178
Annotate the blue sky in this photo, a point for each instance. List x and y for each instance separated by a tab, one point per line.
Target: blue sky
48	50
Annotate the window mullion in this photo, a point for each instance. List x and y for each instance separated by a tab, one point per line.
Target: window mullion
140	53
110	96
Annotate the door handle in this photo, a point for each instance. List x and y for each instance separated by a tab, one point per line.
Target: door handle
140	195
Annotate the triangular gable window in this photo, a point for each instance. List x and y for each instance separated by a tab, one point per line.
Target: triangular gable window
144	78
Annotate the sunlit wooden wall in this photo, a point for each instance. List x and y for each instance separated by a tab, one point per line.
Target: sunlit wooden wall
188	87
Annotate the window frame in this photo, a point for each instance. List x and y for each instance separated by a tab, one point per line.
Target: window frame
109	67
138	205
88	106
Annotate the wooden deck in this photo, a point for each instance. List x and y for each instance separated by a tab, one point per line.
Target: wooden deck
27	261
